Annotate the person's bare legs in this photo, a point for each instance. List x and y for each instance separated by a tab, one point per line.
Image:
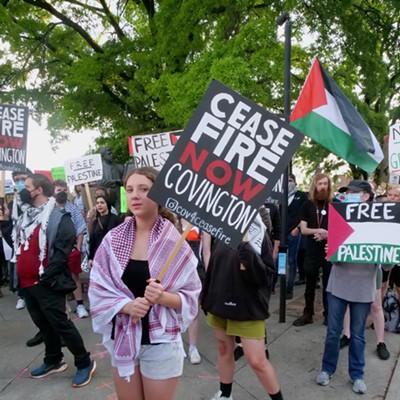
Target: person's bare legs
132	390
194	331
378	318
159	389
226	362
78	291
254	350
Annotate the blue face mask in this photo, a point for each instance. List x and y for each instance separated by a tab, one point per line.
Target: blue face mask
19	185
350	197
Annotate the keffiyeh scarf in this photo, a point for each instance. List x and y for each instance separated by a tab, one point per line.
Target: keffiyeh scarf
108	293
27	222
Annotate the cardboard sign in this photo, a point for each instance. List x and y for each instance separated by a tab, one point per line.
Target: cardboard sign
152	150
58	173
83	169
394	149
13	137
225	164
364	233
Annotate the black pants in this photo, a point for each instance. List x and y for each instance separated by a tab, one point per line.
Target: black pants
47	310
312	264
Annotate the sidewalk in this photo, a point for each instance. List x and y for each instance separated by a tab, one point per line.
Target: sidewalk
296	354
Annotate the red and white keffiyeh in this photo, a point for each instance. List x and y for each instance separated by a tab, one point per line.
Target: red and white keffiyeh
108	294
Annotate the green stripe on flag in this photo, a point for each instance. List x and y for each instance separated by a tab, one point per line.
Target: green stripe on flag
334	139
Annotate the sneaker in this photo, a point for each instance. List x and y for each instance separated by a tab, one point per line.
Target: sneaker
303	320
194	356
218	396
344	341
84	376
45	370
238	352
359	386
289	296
383	352
323	378
37	339
20	304
81	311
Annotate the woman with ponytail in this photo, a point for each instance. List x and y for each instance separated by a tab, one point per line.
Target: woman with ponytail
140	317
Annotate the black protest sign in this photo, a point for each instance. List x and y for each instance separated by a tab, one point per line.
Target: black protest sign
364	233
13	137
225	164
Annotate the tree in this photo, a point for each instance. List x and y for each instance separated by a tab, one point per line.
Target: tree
136	66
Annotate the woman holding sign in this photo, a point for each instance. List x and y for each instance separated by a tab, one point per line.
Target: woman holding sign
235	296
139	313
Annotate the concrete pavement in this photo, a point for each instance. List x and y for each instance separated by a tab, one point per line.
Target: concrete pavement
295	353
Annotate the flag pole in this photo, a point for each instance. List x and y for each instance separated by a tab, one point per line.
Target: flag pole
283	248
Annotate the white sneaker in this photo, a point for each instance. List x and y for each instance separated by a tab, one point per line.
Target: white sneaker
81	311
218	396
194	356
20	304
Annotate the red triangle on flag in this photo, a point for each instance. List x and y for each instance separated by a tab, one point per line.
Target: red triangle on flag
130	146
312	95
338	231
174	138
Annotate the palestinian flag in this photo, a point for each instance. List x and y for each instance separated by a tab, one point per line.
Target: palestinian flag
325	114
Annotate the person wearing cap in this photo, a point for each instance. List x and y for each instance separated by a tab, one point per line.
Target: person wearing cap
314	225
350	285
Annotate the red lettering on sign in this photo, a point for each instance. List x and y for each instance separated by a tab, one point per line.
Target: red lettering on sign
245	187
190	154
219	180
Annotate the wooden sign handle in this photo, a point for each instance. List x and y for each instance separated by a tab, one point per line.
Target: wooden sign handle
89	196
2	194
171	258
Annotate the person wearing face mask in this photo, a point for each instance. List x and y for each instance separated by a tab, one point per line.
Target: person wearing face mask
60	192
43	238
296	199
352	285
19	178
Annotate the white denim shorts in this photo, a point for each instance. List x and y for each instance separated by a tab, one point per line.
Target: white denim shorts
160	361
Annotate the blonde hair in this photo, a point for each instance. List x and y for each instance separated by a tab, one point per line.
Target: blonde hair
151	174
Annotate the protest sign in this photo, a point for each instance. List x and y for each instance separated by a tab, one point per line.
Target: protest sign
58	173
225	164
364	233
394	149
152	150
45	172
83	169
13	137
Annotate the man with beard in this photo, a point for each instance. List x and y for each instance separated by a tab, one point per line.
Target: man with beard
314	224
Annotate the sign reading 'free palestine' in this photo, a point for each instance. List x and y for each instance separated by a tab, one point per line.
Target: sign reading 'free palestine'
225	164
364	233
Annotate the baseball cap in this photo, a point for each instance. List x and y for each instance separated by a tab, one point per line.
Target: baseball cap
357	185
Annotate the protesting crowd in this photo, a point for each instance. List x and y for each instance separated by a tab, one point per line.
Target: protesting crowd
141	303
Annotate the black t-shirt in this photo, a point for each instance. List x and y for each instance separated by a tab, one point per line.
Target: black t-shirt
316	216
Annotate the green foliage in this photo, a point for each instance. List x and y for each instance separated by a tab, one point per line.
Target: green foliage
139	66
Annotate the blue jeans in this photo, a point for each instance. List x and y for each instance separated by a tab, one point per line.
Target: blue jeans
293	247
358	317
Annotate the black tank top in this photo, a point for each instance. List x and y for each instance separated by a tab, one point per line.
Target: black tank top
135	278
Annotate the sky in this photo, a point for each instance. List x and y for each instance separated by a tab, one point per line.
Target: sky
40	155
